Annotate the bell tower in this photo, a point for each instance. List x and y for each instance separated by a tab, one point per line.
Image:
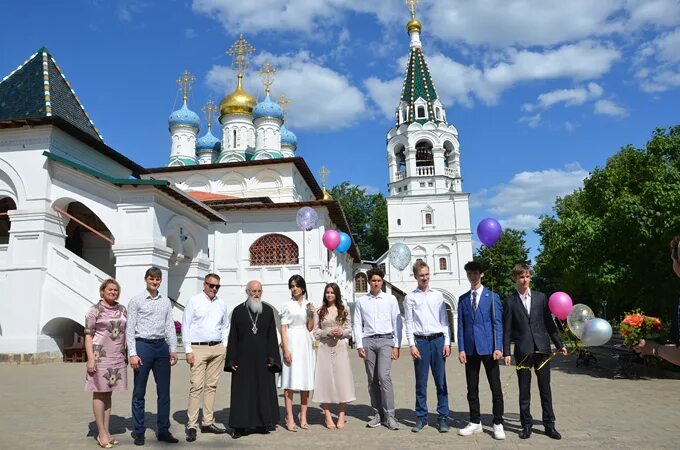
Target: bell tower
426	206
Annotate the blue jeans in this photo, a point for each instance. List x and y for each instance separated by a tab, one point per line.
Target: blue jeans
431	356
155	357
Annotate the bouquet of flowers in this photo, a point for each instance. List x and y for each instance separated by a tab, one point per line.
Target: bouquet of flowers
178	327
635	326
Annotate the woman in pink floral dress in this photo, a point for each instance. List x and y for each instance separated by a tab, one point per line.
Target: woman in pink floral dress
106	356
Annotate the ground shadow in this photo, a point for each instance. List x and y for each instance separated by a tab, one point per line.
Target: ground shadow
119	425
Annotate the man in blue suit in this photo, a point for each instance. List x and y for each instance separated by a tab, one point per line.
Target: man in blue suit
480	341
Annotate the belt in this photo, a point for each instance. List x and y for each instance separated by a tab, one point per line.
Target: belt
211	343
429	337
379	336
151	341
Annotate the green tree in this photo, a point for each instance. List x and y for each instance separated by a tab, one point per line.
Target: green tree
608	241
499	260
367	218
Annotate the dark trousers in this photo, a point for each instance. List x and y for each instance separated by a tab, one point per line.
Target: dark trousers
524	380
155	358
431	357
493	375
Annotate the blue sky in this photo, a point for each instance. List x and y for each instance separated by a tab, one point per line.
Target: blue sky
540	91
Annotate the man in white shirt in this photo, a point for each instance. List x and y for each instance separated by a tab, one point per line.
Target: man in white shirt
376	322
205	330
427	332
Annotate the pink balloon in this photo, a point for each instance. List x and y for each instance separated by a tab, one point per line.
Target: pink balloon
331	239
560	305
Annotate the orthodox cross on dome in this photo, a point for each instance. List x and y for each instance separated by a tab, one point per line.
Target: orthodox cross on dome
239	51
267	72
185	81
323	174
208	110
283	102
411	4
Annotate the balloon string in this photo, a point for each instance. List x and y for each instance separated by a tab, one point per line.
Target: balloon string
518	367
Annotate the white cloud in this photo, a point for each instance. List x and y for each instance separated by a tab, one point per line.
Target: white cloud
189	33
307	16
522	22
322	99
653	12
570	97
127	9
570	126
521	222
532	121
609	108
658	63
528	195
370	190
458	83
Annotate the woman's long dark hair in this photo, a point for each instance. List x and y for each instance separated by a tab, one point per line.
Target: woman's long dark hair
299	282
342	311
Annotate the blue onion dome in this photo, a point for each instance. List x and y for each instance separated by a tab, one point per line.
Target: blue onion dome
184	116
288	137
208	142
268	108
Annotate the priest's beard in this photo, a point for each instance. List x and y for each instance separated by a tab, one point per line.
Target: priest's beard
255	305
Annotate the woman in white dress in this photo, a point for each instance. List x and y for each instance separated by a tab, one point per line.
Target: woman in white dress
297	322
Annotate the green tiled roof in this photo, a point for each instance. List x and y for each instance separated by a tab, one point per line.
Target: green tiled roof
38	89
418	84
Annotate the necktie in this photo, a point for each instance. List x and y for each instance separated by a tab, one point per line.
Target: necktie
525	300
474	301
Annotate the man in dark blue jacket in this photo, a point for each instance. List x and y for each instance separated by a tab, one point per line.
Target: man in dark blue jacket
480	341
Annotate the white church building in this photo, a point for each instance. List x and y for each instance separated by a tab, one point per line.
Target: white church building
74	211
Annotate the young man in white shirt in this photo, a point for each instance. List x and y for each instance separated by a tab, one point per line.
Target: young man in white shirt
205	330
427	332
376	322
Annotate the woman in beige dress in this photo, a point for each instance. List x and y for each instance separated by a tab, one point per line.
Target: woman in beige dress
333	381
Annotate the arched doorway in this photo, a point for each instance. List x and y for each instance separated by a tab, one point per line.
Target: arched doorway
66	333
452	318
88	237
179	264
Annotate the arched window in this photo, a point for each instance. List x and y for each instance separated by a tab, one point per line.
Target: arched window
234	139
442	264
360	282
421	112
6	204
399	153
428	219
273	250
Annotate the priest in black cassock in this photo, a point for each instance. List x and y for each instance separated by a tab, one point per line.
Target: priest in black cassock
253	358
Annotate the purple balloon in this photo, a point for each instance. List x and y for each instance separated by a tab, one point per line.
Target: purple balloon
489	231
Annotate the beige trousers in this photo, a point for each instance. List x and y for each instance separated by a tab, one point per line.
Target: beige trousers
205	373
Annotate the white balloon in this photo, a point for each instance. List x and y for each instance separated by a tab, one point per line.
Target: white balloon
596	332
400	256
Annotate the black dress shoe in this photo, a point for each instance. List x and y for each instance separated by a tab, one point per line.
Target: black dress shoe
167	437
191	434
552	433
212	428
262	430
525	433
139	440
238	433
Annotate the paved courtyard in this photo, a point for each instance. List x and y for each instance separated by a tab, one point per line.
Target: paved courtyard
44	406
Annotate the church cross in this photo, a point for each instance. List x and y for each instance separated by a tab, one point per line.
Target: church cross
323	174
208	110
239	51
267	72
411	4
185	81
283	102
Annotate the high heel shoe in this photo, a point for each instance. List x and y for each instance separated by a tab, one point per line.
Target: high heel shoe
329	423
293	428
305	425
107	445
113	441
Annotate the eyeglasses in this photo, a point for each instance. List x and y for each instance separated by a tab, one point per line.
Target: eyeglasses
213	286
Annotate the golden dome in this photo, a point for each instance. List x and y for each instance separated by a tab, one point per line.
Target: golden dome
326	195
238	102
413	25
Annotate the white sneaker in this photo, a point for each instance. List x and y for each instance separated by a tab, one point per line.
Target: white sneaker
471	428
498	432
